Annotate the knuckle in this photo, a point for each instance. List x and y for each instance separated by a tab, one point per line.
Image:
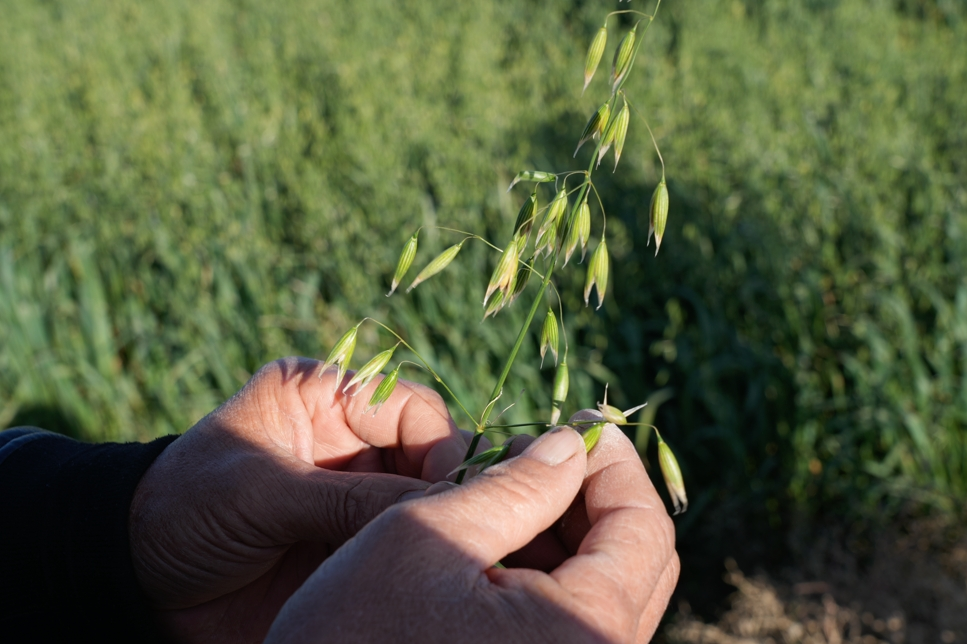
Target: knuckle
341	510
666	532
675	569
424	394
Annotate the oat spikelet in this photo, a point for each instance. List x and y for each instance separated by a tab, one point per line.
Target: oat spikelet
597	274
595	51
559	393
369	371
658	214
383	391
672	474
505	272
406	260
341	354
622	58
440	262
549	336
595	125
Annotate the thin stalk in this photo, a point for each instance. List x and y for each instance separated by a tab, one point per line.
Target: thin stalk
468	236
481	426
426	365
498	387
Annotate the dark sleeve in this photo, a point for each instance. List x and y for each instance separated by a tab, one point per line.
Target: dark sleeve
65	560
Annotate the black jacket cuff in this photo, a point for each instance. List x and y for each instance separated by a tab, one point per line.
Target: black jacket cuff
65	569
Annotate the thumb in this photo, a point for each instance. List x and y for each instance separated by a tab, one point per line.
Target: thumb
331	506
505	507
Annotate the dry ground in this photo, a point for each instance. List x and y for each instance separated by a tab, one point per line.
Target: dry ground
901	586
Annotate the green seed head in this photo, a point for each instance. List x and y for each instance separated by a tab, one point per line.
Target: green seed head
505	272
383	391
658	214
549	336
595	125
612	414
341	354
591	435
535	176
558	206
584	229
440	262
595	51
672	475
547	235
546	238
582	221
520	283
525	216
597	274
617	127
406	260
621	130
559	394
622	58
370	370
497	302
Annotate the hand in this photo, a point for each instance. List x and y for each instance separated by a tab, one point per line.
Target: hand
234	515
423	570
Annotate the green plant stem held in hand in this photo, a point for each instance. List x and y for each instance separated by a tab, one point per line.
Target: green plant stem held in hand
564	225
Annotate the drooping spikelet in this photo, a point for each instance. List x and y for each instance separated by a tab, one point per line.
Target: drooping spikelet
595	125
595	51
440	262
549	336
622	58
658	214
559	393
406	260
597	273
370	370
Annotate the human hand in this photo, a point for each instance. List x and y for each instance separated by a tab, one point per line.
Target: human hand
236	513
423	570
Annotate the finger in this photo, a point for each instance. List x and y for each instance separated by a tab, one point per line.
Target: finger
631	539
506	506
414	422
574	526
520	443
482	445
324	505
545	552
658	602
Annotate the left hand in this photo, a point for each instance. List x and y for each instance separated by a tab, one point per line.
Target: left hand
235	514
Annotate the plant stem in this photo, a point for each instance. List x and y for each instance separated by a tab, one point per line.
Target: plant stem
426	365
482	424
498	387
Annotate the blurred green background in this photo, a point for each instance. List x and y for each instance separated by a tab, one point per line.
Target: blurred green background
190	189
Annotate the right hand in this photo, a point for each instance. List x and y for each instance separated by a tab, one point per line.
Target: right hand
423	570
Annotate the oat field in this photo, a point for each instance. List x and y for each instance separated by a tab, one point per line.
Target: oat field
189	189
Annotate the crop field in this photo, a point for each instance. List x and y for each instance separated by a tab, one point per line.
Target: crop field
190	189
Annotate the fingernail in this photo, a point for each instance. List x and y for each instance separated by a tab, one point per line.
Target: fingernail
554	447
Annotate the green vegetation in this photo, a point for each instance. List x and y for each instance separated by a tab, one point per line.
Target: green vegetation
190	189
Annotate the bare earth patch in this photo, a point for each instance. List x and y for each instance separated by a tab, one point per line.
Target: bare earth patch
904	586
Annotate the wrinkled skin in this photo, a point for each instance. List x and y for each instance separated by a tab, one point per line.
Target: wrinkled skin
290	498
236	513
596	541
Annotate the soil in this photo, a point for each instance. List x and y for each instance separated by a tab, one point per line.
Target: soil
901	585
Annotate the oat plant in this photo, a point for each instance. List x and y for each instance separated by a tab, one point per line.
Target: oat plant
544	239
